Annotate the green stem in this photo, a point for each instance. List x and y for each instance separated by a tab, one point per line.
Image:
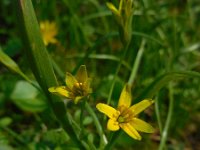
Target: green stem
100	56
169	118
103	140
16	136
57	69
94	47
81	115
136	63
40	63
113	140
116	73
157	110
116	134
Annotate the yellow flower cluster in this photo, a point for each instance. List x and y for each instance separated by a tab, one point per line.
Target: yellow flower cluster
125	116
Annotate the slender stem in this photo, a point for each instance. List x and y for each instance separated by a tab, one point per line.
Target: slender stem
79	132
136	63
115	76
40	63
157	110
103	140
92	48
91	145
81	115
57	68
113	140
169	118
116	134
15	135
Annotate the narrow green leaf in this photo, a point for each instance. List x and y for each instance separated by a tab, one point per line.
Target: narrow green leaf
162	80
8	62
40	62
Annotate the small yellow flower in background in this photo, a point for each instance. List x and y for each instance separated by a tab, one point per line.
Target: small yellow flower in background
76	87
125	116
123	16
49	31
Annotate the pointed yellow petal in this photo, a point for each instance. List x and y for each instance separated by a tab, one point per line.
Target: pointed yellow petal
125	97
130	130
77	99
61	90
121	6
139	107
70	80
87	83
142	126
113	9
81	75
108	110
112	125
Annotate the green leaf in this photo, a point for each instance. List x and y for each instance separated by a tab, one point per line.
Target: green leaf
40	62
8	62
5	147
162	80
27	97
5	121
56	137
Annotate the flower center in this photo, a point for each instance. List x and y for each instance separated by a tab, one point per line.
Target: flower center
121	119
125	116
78	89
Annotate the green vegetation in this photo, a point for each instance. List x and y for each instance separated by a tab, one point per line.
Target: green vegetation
151	46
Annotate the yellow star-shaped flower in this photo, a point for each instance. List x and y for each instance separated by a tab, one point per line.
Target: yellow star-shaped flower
76	87
49	31
125	116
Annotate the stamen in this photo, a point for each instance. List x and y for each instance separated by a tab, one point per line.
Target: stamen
121	119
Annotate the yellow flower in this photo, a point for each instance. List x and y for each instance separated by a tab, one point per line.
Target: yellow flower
76	87
49	31
125	116
123	16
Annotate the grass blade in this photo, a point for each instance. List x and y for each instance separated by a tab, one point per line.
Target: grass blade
40	63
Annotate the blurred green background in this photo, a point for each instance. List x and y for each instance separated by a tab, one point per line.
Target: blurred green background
87	34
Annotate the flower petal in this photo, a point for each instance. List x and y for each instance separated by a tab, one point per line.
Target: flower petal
130	130
112	125
121	6
81	75
142	126
137	108
77	99
108	110
61	90
125	97
113	9
70	80
87	85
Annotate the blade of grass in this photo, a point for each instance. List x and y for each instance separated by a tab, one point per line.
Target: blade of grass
92	48
40	63
103	140
162	80
9	63
136	63
158	116
169	118
101	56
